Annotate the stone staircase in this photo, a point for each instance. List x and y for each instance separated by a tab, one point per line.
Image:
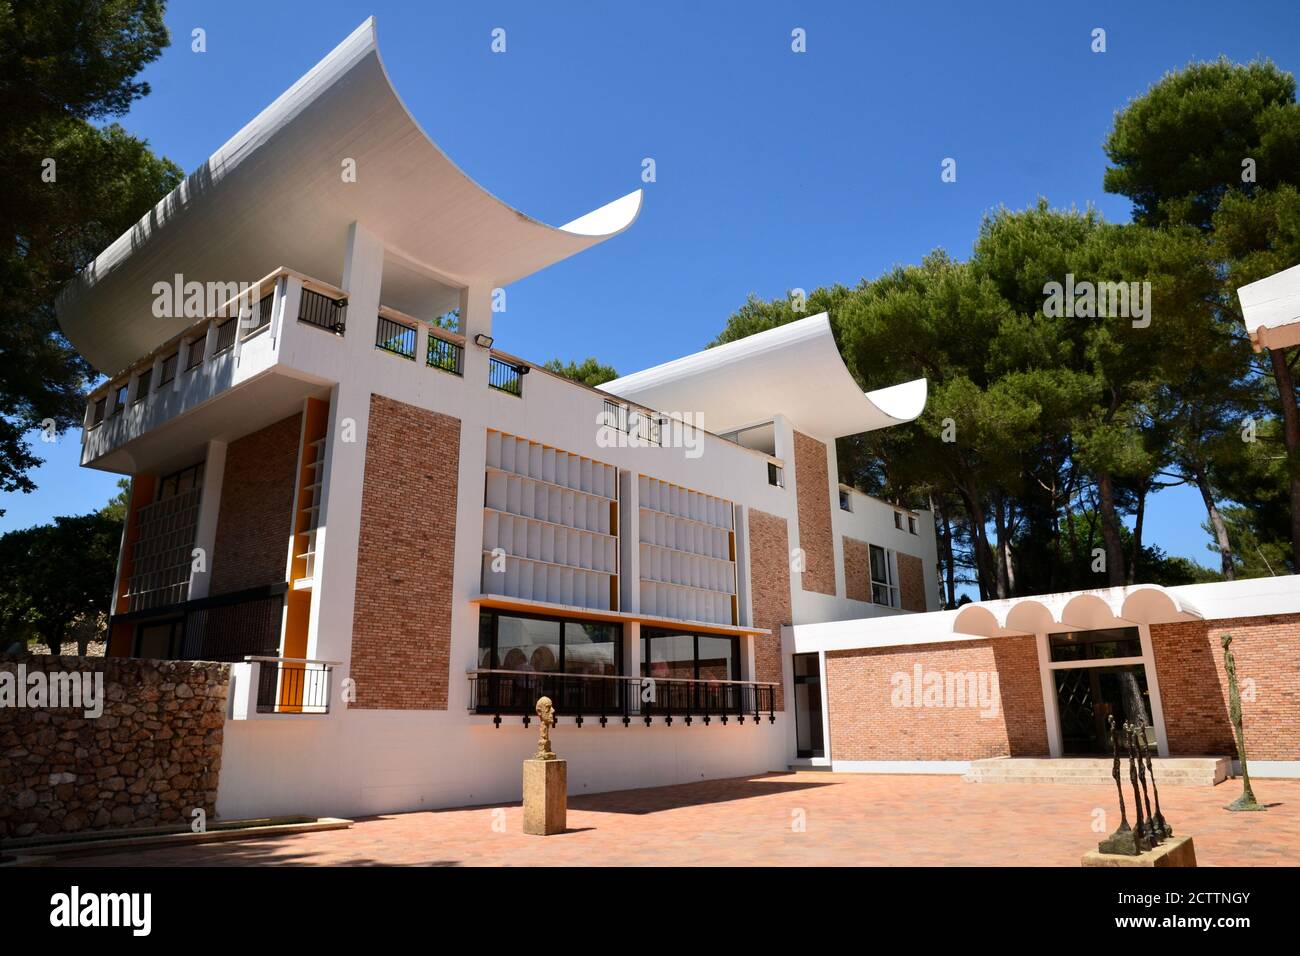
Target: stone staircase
1169	771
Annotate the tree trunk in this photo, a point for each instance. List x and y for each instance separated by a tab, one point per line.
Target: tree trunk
950	569
978	543
1137	535
1216	523
1000	526
1110	533
1291	435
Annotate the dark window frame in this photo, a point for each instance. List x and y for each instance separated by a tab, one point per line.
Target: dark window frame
495	614
649	633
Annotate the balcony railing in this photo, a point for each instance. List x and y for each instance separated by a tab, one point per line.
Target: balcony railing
395	337
287	685
601	698
323	312
506	376
445	355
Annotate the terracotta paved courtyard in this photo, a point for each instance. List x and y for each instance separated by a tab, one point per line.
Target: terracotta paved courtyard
847	820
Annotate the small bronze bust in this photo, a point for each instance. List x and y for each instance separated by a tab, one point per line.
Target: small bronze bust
545	717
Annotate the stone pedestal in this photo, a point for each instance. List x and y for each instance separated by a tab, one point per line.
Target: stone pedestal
1176	852
546	796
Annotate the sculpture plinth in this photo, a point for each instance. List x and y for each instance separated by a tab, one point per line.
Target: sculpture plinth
546	781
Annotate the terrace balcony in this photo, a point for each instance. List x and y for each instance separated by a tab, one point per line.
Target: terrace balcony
601	698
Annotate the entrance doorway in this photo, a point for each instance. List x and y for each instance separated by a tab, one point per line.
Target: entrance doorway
808	706
1098	675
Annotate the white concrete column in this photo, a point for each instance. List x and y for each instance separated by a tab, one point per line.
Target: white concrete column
339	532
421	343
629	536
475	319
205	534
210	342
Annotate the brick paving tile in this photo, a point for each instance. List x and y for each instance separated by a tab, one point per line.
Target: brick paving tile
847	820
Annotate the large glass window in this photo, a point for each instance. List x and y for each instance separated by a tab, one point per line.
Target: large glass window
674	654
884	588
548	645
1104	644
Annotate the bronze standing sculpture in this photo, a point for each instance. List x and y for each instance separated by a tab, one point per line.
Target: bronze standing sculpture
1123	840
1247	799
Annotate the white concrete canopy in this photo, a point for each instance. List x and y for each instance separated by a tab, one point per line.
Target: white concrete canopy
1271	309
1075	611
276	195
793	370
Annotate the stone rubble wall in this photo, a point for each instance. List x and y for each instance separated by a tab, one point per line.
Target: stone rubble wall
150	759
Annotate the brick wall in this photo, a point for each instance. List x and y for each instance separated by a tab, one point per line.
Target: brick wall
812	481
1194	685
866	722
401	627
148	754
256	517
911	582
769	573
857	570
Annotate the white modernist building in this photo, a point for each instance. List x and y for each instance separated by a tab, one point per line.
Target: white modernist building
401	536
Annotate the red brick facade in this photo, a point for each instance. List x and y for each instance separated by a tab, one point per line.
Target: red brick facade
911	582
812	483
857	570
256	516
869	722
1194	685
769	570
401	626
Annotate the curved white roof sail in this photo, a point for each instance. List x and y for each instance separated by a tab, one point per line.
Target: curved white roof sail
274	195
793	370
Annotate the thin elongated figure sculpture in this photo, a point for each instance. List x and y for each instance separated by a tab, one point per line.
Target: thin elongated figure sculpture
1247	799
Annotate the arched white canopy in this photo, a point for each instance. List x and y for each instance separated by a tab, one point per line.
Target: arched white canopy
793	370
1075	611
276	195
1270	308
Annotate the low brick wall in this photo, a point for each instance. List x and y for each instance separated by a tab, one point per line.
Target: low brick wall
879	711
150	758
1194	685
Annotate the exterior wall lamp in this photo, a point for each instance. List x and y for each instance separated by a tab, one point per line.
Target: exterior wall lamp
483	340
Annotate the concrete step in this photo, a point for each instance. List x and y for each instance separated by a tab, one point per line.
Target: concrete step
1169	771
808	768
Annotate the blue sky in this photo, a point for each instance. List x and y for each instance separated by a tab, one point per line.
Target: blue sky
774	169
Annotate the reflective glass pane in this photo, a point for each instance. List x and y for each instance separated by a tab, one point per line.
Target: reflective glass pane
524	644
591	648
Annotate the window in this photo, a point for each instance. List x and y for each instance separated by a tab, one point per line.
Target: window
1095	645
898	520
179	482
510	642
775	476
846	500
97	412
194	357
119	398
884	583
142	386
911	523
681	655
168	371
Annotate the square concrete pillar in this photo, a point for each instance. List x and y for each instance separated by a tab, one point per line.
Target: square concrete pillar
546	796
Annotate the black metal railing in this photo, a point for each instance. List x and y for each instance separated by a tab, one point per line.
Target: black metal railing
323	312
226	334
261	314
229	627
595	697
506	376
644	426
445	355
291	686
395	337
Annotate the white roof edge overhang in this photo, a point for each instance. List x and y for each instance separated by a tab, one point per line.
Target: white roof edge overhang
1270	308
275	194
794	370
1075	611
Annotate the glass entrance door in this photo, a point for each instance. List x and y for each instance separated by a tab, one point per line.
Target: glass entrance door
808	706
1087	696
